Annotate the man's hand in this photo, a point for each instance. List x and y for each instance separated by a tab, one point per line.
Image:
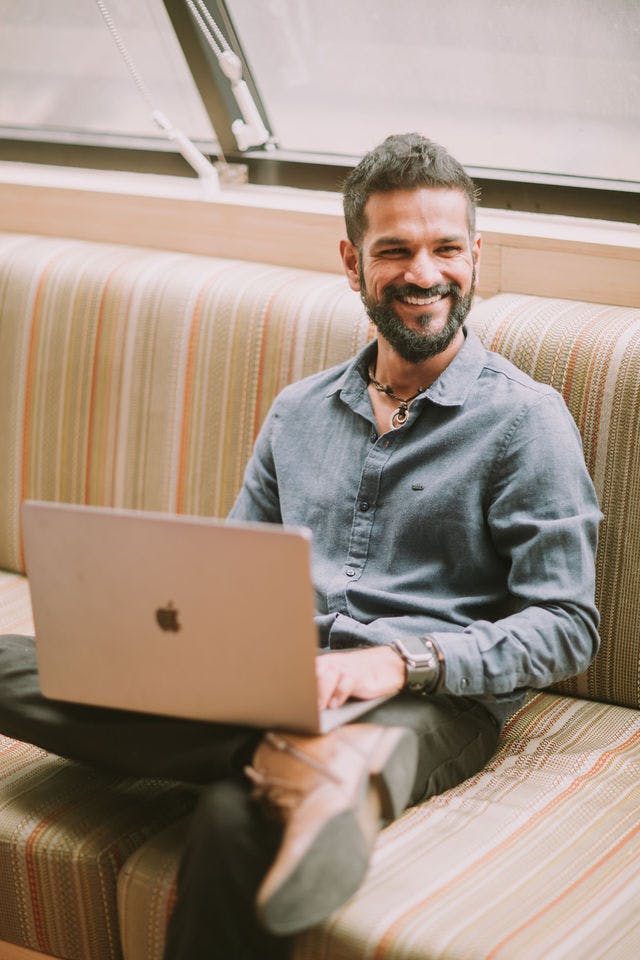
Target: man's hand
365	674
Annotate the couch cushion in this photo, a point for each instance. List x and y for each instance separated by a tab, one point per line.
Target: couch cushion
146	893
536	856
591	354
138	378
15	605
65	831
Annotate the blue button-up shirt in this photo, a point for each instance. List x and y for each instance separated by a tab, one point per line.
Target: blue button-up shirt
475	522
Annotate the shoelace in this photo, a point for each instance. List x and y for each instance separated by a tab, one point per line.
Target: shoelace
278	791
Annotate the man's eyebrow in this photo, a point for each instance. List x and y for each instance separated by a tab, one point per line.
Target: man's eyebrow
403	241
390	242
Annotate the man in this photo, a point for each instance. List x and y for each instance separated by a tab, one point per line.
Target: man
454	533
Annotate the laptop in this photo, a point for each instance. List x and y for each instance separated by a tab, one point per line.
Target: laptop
176	615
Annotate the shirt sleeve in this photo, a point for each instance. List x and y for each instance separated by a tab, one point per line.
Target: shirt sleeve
543	517
258	499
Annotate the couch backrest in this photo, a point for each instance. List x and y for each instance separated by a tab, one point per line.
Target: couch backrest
139	379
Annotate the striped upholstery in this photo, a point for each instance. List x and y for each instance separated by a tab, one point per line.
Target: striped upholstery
139	379
146	893
15	605
591	354
65	831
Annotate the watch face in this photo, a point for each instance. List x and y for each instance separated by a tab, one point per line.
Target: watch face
423	666
415	648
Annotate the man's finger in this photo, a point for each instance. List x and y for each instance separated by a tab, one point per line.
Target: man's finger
327	677
342	690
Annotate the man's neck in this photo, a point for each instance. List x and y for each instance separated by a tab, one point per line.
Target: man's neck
404	377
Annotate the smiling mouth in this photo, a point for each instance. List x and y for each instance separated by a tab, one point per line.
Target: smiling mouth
421	301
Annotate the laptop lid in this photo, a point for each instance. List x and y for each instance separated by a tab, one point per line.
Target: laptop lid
182	616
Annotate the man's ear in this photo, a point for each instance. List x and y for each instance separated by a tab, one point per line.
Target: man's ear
351	264
476	245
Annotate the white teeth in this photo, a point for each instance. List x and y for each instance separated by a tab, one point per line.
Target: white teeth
421	301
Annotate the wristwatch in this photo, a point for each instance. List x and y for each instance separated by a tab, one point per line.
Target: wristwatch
423	661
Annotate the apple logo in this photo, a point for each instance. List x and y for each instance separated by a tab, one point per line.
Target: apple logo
167	618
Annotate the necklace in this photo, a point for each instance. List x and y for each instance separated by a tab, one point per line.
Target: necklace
399	416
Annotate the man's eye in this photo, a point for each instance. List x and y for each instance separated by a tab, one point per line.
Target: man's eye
449	250
393	252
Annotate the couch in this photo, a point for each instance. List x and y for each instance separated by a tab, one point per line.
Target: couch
136	378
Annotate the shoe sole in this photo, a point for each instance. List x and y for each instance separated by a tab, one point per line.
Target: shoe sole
335	863
326	876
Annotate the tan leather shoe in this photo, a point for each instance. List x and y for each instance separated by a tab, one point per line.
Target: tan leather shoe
334	793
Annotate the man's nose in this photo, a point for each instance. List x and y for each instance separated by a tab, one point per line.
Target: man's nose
423	270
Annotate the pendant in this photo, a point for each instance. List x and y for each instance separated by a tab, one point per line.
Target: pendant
399	417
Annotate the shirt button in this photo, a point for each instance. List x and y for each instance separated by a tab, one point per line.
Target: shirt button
350	572
464	682
364	506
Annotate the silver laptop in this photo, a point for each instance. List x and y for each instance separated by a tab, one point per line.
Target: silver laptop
182	616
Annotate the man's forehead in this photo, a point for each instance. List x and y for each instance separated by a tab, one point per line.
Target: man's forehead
394	213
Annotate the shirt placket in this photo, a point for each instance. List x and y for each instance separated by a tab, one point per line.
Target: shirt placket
365	509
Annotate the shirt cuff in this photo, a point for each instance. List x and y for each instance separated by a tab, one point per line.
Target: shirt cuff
464	674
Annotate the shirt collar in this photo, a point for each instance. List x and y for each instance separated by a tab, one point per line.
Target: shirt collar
449	390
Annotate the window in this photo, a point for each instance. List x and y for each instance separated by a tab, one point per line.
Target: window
63	77
541	101
550	87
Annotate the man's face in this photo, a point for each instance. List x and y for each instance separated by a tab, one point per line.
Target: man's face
415	268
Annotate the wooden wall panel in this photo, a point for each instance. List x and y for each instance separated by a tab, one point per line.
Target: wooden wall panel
575	275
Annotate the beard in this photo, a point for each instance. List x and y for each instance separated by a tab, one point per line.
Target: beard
414	346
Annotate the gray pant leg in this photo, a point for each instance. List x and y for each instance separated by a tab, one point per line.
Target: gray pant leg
456	737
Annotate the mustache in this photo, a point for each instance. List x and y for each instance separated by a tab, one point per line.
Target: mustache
411	290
